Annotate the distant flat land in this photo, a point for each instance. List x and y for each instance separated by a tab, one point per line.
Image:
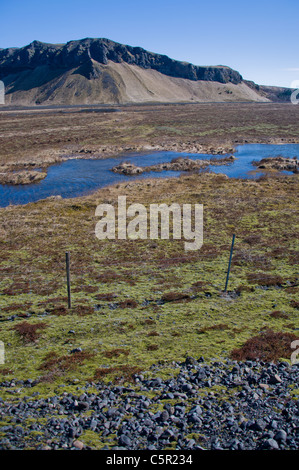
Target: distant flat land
44	135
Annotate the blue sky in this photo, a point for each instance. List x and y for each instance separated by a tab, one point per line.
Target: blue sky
257	38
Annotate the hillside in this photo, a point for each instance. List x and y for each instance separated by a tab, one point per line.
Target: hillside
94	71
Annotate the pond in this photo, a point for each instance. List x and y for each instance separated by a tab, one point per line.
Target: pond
78	177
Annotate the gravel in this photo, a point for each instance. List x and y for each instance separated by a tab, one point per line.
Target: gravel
231	405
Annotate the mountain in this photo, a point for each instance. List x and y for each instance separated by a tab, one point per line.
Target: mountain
96	71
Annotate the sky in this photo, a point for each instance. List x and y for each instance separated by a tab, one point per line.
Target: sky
258	38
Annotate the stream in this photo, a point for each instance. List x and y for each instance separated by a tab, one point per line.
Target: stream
78	177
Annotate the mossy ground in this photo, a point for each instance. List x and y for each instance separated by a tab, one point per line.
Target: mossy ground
118	338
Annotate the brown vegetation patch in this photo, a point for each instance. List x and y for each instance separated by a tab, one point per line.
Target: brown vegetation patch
14	307
149	321
294	304
174	296
264	279
28	332
33	285
209	251
252	239
58	365
152	347
278	252
268	346
242	257
108	296
82	310
278	314
175	261
6	371
17	287
199	285
109	277
115	353
87	289
242	288
40	287
153	333
59	310
54	300
294	258
90	289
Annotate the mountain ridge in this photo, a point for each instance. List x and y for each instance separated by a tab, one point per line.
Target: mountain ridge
102	50
99	70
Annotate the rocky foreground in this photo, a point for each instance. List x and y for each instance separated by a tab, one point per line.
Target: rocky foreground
224	405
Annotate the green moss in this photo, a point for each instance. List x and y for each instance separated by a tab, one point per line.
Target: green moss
92	440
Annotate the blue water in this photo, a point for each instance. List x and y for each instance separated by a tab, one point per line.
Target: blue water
77	177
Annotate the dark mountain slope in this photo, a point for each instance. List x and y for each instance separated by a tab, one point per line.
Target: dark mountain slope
103	71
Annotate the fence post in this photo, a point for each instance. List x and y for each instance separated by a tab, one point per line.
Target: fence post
229	263
68	278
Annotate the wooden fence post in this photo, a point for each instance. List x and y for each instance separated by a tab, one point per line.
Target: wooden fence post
68	278
229	263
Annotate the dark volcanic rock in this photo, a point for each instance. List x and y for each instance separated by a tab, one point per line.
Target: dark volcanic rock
139	418
81	53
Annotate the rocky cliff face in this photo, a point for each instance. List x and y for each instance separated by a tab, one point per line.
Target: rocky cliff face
87	51
100	71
